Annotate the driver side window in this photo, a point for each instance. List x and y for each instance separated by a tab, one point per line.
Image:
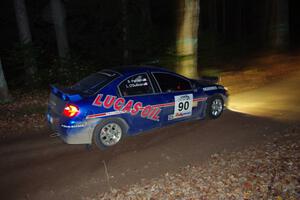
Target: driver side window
170	83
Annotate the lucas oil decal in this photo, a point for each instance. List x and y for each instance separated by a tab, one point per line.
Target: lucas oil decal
120	105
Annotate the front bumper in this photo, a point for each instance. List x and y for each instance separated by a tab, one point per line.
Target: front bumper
225	99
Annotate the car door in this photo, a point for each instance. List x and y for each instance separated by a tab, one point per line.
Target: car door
179	96
139	90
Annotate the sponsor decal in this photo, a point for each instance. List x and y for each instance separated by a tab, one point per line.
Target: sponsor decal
183	105
210	88
194	104
78	125
139	81
170	117
149	111
121	106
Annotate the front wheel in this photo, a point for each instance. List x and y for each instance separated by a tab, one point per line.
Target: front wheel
215	107
108	133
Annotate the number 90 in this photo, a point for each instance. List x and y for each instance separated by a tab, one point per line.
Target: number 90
183	106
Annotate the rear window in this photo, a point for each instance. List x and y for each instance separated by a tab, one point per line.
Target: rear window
93	83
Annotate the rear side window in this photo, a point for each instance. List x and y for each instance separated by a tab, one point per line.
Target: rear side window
136	85
93	83
169	83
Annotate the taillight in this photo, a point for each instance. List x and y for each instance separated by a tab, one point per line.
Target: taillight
71	110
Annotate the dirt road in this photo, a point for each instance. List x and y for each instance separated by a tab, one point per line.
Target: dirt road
41	167
278	100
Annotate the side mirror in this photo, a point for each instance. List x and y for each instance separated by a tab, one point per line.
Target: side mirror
194	87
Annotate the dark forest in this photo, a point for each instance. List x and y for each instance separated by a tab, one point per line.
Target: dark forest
122	32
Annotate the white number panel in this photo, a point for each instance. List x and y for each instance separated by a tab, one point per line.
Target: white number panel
183	106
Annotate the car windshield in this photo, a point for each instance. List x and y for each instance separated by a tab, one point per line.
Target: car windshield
92	83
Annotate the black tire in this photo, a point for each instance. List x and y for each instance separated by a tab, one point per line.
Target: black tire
211	111
98	138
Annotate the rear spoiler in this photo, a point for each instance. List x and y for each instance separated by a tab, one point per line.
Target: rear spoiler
65	93
210	79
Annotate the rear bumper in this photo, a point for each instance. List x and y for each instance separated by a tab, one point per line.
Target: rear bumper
80	138
77	133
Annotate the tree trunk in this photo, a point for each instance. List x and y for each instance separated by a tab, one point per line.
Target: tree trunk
4	94
266	22
146	13
24	34
239	21
213	25
224	18
22	21
213	17
125	31
187	38
58	16
280	25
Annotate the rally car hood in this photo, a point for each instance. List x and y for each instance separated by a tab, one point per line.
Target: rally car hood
207	81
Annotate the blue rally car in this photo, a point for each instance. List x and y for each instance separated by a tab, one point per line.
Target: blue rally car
110	104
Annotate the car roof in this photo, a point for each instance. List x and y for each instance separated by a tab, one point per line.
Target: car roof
129	70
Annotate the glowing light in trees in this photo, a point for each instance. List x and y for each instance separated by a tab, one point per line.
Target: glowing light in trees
188	20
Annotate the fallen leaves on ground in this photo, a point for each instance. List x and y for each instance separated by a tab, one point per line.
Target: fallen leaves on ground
26	112
267	171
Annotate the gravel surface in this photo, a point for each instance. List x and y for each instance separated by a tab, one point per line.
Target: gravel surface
267	171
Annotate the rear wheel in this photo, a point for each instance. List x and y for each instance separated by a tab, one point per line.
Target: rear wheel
109	132
215	107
